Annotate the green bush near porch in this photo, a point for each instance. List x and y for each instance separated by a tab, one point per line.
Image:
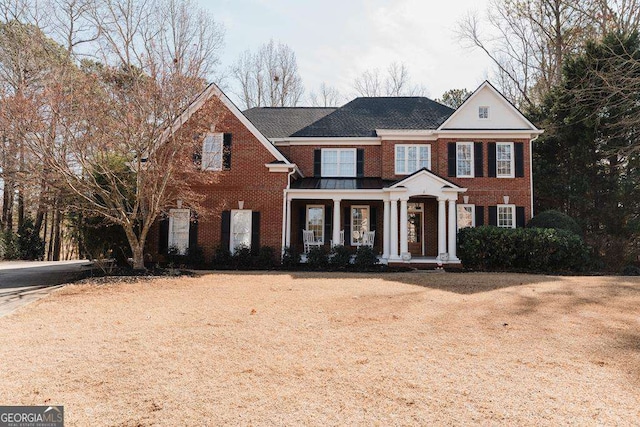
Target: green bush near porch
490	248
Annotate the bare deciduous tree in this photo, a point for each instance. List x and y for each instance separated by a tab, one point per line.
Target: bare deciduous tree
396	82
327	96
268	78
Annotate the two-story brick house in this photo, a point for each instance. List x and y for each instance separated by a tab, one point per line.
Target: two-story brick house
407	168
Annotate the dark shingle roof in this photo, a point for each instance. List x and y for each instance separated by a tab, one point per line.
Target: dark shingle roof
360	117
280	122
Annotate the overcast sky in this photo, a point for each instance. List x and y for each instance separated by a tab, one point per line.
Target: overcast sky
336	40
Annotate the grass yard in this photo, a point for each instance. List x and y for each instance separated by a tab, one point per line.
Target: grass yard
331	349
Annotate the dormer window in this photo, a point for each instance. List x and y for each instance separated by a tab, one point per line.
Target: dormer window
483	112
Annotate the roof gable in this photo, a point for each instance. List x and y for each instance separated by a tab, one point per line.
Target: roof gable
502	114
362	116
214	91
423	181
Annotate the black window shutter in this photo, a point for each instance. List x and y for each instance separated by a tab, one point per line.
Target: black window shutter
317	163
197	154
163	238
478	159
360	162
491	159
519	159
302	222
346	221
255	232
226	152
493	215
328	224
451	148
520	220
193	231
225	229
479	216
373	212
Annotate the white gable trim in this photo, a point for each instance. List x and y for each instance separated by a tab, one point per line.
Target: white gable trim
509	105
211	91
424	177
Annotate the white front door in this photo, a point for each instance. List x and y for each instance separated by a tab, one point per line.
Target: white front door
240	229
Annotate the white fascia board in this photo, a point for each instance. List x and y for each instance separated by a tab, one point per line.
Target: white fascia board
281	167
336	194
490	133
326	141
407	134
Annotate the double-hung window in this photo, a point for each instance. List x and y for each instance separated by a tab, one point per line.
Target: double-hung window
315	221
179	221
464	159
506	216
410	158
212	147
339	162
483	112
504	160
466	216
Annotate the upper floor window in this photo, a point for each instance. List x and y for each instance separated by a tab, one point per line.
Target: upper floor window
410	158
483	112
212	148
506	216
339	162
504	160
464	159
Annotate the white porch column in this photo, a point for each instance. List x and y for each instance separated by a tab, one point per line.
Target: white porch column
336	222
288	231
386	228
442	228
393	234
452	230
404	222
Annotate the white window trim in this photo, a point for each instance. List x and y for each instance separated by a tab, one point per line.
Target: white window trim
406	157
182	250
513	161
307	220
368	209
473	213
213	167
488	112
470	144
339	174
232	246
513	215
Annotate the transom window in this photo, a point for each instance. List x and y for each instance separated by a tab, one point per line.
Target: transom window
464	159
466	216
483	112
315	221
359	223
504	159
410	158
507	216
339	162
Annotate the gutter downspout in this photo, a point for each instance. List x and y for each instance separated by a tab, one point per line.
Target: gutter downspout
531	169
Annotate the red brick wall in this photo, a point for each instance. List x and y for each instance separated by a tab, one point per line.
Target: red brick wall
248	180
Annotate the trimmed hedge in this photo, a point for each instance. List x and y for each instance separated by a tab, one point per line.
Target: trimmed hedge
489	248
555	219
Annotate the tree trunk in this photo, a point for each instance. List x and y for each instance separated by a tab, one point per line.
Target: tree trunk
7	205
138	257
57	219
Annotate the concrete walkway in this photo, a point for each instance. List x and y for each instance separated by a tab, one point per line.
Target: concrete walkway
22	282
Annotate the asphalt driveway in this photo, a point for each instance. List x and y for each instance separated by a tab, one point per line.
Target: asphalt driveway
22	282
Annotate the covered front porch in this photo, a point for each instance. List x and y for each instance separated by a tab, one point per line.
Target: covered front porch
412	220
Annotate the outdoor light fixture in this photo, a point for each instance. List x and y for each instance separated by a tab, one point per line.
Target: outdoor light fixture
240	204
179	204
466	199
506	199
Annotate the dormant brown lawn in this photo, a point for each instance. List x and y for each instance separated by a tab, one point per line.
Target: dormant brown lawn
331	349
